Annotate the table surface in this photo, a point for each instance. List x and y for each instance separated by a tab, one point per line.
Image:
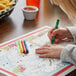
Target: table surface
15	25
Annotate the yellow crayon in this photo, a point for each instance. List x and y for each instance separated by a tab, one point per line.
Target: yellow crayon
20	46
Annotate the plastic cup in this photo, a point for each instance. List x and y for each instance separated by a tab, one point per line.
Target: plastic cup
35	3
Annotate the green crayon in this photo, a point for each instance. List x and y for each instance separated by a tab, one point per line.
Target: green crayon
56	26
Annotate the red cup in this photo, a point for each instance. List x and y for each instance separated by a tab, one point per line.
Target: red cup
35	3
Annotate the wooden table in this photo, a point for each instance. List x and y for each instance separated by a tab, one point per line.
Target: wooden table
15	25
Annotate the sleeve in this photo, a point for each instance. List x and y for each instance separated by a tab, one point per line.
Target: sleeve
68	54
73	32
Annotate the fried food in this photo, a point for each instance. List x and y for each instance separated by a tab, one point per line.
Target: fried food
5	4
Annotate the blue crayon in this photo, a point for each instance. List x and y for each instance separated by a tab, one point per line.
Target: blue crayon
27	50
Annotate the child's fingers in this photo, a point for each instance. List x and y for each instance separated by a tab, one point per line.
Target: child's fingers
42	48
50	32
66	40
56	40
50	37
41	51
44	56
59	41
56	32
46	45
62	40
59	37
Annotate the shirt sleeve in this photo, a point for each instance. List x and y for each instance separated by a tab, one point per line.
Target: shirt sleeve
73	32
68	54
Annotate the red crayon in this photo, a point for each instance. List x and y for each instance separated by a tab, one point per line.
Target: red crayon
23	47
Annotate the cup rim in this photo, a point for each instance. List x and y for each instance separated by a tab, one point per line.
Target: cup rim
36	9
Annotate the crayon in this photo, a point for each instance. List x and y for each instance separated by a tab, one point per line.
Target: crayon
24	48
20	46
27	50
56	26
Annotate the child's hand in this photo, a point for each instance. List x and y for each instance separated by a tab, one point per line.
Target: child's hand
60	35
49	51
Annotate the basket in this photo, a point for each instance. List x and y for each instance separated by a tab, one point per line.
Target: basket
7	12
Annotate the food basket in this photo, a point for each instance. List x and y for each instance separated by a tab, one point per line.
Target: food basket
7	12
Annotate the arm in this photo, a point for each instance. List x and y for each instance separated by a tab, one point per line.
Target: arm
68	54
72	30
